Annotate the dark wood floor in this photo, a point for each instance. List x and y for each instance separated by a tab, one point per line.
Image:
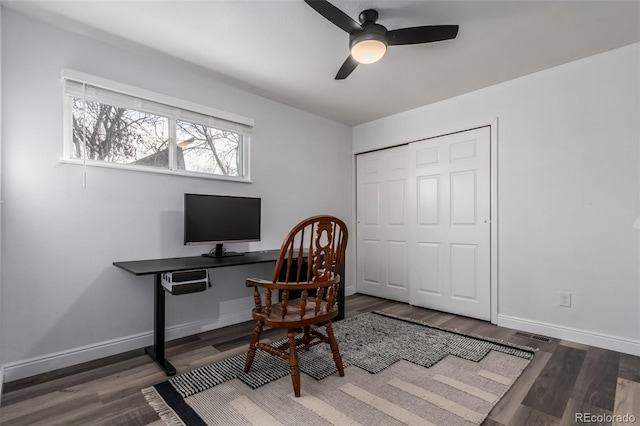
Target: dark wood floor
563	379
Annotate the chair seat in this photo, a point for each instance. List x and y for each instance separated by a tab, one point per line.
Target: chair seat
292	318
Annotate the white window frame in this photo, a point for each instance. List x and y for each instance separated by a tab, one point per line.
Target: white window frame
155	103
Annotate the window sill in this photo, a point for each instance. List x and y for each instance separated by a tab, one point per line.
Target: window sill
144	169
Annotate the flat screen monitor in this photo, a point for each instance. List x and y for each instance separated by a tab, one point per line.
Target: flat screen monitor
218	219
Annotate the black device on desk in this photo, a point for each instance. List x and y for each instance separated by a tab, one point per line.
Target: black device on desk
218	219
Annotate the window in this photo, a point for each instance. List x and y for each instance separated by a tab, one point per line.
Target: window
115	125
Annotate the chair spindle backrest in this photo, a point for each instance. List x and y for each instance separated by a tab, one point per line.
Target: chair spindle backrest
313	251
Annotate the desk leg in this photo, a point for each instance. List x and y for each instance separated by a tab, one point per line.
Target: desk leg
156	352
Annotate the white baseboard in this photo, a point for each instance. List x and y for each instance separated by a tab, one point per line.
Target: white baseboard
42	364
614	343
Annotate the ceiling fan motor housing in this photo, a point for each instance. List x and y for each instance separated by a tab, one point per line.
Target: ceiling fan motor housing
370	31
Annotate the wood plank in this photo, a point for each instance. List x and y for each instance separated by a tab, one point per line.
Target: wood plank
574	345
552	389
119	362
43	409
596	383
629	368
627	400
532	417
578	409
507	407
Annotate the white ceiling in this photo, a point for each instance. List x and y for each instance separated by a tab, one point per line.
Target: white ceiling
284	50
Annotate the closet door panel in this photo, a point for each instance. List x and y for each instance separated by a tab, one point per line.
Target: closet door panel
382	223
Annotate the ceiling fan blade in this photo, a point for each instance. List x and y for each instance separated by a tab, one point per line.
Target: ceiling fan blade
426	34
347	68
334	15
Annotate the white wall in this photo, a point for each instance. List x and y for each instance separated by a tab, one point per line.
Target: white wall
568	192
62	300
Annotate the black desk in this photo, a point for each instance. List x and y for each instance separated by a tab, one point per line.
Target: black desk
158	266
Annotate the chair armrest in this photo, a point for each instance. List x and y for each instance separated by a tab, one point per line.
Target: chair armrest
256	282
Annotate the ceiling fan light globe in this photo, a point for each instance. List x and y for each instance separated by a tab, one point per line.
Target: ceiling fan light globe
368	51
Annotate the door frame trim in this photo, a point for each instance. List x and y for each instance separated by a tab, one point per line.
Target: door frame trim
493	194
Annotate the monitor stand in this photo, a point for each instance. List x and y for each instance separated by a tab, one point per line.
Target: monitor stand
219	252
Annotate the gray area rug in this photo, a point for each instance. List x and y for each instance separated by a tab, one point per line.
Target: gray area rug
392	370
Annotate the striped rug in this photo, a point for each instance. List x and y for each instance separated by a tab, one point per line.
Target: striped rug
398	372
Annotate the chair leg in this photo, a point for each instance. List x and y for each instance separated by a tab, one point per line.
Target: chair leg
293	362
252	347
307	336
333	344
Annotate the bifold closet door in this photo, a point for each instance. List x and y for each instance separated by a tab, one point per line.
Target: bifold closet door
450	229
382	224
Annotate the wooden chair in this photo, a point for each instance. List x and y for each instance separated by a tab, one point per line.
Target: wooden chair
308	264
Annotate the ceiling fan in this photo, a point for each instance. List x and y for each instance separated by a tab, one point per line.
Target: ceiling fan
368	41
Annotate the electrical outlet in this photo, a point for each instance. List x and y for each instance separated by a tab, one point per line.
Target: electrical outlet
565	299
